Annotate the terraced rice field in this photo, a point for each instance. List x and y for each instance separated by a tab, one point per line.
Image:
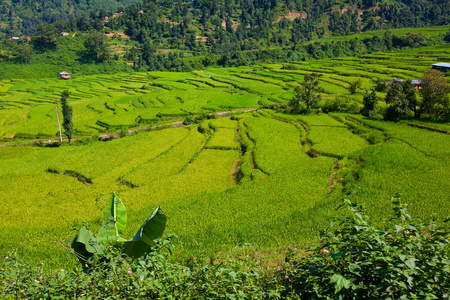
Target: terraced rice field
261	177
107	102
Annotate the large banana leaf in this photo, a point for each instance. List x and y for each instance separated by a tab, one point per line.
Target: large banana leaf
151	230
114	221
86	244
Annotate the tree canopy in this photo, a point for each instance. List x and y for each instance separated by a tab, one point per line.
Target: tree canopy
434	93
307	93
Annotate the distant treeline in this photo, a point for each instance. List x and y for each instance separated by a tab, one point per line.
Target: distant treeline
175	61
21	17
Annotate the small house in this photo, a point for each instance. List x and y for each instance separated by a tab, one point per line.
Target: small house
416	83
64	33
443	67
64	75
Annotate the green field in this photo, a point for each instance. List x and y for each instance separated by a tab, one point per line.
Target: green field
260	177
104	103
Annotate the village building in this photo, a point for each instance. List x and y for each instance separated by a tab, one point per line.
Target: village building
64	75
416	83
64	33
443	67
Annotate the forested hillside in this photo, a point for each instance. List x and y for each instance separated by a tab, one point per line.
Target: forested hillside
187	35
21	17
265	21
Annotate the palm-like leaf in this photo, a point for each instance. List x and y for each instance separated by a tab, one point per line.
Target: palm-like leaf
86	244
144	239
114	221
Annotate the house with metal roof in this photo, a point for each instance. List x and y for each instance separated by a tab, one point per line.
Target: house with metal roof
64	75
443	67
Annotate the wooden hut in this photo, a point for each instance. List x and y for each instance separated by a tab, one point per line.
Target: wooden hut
64	75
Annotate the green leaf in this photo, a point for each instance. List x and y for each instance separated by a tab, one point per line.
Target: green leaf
114	221
86	244
144	239
340	282
399	228
232	274
410	263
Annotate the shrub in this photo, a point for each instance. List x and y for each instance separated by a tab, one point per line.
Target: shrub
341	104
356	260
370	102
116	276
398	110
354	86
381	85
188	121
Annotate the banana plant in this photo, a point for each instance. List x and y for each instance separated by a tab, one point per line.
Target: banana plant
86	244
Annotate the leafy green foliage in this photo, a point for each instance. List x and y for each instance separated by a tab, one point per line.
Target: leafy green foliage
434	93
354	86
307	93
114	221
341	103
395	94
86	245
67	112
96	46
151	276
357	260
370	102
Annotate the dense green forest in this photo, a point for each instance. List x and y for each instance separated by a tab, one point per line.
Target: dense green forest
19	17
187	35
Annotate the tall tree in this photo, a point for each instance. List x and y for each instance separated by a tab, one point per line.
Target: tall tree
354	86
370	102
96	46
410	95
395	93
67	115
434	93
307	92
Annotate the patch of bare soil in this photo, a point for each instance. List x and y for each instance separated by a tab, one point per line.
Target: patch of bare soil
171	22
162	51
108	136
177	124
292	15
201	38
361	11
234	24
118	34
118	48
210	28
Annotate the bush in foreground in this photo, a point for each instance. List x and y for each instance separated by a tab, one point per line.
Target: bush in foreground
356	260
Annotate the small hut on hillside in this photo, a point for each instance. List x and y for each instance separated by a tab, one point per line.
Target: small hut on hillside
443	67
64	75
416	83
